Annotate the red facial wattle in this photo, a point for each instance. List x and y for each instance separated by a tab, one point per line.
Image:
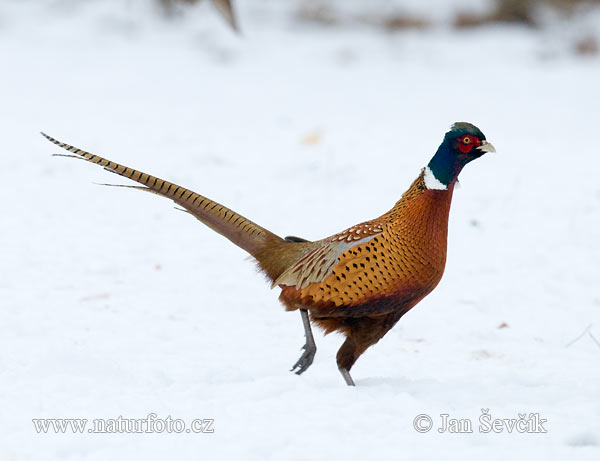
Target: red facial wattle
467	142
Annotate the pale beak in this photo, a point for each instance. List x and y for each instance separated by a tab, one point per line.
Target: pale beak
486	147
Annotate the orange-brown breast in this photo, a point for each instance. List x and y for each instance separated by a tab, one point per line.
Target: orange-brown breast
393	268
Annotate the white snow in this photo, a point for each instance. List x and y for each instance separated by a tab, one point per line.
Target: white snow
114	304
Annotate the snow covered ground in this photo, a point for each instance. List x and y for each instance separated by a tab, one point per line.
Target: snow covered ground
114	304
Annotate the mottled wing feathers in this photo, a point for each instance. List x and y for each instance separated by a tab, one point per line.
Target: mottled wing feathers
385	264
226	222
319	260
367	271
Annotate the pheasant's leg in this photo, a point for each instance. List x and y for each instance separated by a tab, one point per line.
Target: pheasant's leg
310	348
346	374
363	333
346	357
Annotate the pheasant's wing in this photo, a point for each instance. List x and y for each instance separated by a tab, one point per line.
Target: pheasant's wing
293	238
318	262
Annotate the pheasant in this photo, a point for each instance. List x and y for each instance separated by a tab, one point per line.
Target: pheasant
358	282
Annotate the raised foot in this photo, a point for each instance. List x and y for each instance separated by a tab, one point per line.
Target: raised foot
306	359
346	374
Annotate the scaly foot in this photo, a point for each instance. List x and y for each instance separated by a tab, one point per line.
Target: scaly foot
306	359
310	348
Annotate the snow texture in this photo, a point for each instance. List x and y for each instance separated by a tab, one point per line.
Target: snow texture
113	303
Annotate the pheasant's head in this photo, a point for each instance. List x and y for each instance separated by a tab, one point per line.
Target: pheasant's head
462	144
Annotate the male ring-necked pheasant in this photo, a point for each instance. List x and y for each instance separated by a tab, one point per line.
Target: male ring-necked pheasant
358	282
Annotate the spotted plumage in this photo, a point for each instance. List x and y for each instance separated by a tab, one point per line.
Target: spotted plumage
360	281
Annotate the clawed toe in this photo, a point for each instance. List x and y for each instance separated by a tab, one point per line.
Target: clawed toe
310	348
305	360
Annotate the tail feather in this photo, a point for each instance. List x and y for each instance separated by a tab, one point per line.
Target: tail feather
241	231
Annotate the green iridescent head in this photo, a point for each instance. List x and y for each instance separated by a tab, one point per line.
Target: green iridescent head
461	145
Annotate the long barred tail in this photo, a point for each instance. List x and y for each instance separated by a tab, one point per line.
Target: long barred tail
241	231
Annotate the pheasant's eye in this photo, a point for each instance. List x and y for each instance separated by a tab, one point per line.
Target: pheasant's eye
466	140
